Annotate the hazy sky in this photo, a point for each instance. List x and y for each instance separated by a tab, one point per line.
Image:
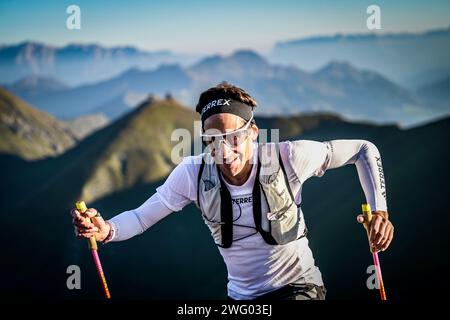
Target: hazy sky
208	26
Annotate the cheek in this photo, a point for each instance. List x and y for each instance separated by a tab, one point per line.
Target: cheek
246	151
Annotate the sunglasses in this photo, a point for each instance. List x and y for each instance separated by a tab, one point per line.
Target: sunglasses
232	139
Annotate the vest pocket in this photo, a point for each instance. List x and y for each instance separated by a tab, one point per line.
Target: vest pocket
283	215
211	213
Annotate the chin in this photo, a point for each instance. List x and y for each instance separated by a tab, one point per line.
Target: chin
234	168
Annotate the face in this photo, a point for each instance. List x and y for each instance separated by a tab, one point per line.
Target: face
234	156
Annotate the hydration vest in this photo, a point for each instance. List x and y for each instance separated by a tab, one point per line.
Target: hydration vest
282	223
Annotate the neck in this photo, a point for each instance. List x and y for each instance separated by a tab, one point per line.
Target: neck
241	177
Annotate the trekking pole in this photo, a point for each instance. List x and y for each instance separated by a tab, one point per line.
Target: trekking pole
81	206
367	212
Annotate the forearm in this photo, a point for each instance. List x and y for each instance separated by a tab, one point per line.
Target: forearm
367	159
133	222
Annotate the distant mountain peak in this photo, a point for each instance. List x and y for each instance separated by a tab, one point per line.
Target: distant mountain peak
339	65
209	61
42	83
247	54
32	44
361	36
338	69
169	67
242	59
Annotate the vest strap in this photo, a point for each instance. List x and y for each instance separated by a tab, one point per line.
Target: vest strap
226	214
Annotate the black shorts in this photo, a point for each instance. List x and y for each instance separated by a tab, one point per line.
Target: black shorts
295	291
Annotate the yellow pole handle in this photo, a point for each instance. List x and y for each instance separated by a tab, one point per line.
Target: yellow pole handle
81	206
367	213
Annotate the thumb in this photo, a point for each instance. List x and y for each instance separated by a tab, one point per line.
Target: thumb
360	218
90	213
96	218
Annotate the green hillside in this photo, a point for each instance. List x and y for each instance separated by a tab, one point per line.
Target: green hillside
28	132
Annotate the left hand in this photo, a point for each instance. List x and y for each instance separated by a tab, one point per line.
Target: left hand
381	230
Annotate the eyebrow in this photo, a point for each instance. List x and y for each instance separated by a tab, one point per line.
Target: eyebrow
243	123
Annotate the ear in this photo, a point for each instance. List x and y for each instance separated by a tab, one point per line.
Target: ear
255	132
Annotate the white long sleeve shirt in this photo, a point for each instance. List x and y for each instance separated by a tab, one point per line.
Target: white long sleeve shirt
255	267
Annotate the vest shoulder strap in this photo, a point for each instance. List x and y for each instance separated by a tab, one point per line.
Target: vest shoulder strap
276	147
200	172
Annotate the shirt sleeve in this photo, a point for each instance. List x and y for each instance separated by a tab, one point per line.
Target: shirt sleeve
178	190
133	222
313	158
309	158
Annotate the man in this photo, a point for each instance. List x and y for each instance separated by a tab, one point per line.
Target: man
249	195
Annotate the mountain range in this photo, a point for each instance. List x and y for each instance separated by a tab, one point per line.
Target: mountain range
337	87
119	166
77	64
412	60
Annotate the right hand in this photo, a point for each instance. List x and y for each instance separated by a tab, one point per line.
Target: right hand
97	227
381	230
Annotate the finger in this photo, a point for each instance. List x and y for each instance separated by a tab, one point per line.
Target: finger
80	229
84	224
99	223
384	238
76	214
90	230
375	226
90	213
81	235
389	240
382	234
86	235
360	218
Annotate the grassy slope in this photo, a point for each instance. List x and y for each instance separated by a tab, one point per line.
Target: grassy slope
28	132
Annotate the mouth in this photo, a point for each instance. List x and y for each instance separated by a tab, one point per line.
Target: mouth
229	163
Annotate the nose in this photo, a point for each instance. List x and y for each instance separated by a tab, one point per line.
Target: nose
226	151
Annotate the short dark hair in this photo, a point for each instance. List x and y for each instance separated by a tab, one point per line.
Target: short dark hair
232	91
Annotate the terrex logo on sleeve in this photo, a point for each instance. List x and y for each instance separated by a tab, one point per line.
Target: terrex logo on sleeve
218	102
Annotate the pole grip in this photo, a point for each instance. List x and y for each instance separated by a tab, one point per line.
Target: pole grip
367	213
81	206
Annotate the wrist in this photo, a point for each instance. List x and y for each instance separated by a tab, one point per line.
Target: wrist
109	235
383	214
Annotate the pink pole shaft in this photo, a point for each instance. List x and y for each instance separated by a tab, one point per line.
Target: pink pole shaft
101	275
376	261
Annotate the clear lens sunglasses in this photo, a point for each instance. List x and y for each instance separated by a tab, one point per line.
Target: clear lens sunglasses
231	139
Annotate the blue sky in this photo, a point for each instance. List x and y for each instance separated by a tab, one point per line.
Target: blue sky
208	26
